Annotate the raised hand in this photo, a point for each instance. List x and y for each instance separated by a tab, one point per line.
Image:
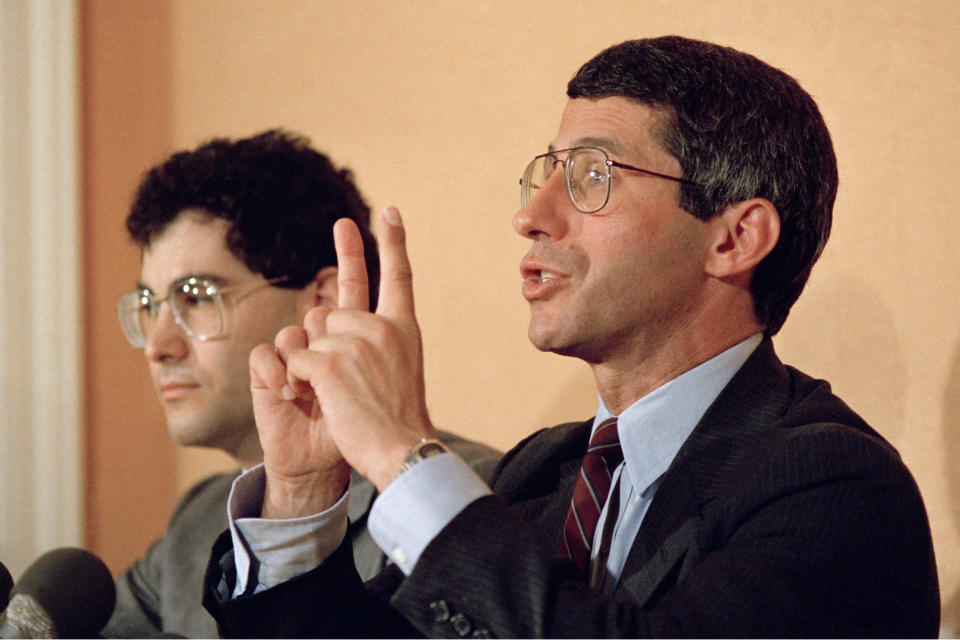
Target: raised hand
346	389
365	370
305	472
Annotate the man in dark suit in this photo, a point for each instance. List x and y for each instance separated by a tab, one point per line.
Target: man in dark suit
673	222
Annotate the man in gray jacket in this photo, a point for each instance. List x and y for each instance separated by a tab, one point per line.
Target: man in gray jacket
236	239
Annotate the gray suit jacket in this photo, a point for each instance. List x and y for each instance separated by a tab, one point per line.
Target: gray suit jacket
782	515
162	591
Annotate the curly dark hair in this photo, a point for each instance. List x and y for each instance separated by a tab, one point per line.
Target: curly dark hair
740	129
279	195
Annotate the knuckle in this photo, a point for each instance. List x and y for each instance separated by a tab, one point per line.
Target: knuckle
381	332
288	338
355	348
315	318
261	356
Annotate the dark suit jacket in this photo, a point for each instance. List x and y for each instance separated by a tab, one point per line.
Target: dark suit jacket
782	515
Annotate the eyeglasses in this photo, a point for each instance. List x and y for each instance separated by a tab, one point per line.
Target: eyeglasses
587	172
196	304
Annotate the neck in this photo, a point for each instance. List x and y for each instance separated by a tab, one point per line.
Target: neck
625	378
719	315
248	453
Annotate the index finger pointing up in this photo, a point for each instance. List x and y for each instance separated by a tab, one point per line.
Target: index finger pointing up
352	283
396	278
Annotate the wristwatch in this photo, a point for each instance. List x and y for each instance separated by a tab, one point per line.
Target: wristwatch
426	448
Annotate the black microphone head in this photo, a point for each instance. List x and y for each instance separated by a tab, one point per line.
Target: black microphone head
74	587
6	583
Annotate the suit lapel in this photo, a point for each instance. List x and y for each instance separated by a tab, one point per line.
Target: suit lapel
538	475
668	538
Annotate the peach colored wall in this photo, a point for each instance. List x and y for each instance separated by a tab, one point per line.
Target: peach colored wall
438	105
131	466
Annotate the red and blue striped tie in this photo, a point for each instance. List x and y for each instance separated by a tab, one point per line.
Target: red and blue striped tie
590	493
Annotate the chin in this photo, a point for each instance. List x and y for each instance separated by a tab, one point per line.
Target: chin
547	345
547	338
187	440
539	341
563	346
187	434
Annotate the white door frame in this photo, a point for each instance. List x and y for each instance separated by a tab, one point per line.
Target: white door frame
41	418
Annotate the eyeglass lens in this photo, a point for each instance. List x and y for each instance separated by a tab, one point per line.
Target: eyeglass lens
587	175
194	302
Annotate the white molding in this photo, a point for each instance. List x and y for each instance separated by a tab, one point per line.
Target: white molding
41	421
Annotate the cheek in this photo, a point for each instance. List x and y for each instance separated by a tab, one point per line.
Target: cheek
617	259
225	366
640	267
614	279
229	360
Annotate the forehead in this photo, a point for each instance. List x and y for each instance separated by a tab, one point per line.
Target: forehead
623	127
193	244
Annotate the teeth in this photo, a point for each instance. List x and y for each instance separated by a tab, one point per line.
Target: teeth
546	275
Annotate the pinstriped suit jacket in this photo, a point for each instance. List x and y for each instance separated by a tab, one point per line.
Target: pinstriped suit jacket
783	515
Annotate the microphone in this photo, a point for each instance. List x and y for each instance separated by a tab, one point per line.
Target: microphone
6	583
65	593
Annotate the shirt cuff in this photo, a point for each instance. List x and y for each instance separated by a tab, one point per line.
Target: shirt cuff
416	506
279	549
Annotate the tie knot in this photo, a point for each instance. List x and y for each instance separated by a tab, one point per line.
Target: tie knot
606	443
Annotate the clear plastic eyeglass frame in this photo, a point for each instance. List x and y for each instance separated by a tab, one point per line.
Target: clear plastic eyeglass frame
196	303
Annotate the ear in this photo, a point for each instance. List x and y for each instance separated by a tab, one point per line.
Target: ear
319	292
326	286
744	234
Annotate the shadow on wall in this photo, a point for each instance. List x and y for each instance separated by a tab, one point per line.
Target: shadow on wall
841	330
951	449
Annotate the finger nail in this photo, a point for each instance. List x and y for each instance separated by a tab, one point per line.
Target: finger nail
288	393
392	216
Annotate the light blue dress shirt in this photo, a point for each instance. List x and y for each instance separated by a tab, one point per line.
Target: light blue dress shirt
424	499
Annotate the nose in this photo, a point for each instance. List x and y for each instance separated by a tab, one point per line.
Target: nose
547	212
166	340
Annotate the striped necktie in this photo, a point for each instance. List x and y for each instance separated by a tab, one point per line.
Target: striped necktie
590	494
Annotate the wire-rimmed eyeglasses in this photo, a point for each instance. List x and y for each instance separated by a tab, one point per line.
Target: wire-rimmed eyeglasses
196	303
587	173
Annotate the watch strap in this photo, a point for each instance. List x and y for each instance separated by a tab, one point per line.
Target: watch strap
420	451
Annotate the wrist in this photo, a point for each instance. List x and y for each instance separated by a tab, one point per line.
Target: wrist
402	456
417	452
306	495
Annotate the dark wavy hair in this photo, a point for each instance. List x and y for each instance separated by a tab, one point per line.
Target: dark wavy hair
740	129
279	195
